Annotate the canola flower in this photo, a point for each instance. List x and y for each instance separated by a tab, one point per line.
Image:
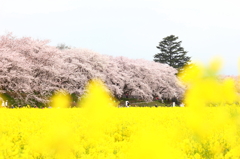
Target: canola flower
208	127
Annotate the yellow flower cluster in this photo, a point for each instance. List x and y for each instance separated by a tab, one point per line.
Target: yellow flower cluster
208	127
205	88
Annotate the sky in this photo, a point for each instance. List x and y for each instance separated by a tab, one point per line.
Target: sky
131	28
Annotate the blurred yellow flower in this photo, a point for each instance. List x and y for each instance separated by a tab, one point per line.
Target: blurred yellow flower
61	99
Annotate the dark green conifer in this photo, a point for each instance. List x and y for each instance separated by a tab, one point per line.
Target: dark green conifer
171	53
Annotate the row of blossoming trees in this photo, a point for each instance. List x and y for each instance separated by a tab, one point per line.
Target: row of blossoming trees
31	70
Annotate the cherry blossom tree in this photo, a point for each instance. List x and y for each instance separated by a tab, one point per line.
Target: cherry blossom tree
147	79
27	69
31	70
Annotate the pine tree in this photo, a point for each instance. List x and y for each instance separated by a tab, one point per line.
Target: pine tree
171	53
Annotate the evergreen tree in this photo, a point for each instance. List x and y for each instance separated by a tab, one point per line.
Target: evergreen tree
171	53
63	46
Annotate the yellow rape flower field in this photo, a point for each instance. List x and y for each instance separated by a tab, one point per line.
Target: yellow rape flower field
208	127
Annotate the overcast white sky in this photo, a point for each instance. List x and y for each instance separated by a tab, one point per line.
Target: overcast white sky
131	28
